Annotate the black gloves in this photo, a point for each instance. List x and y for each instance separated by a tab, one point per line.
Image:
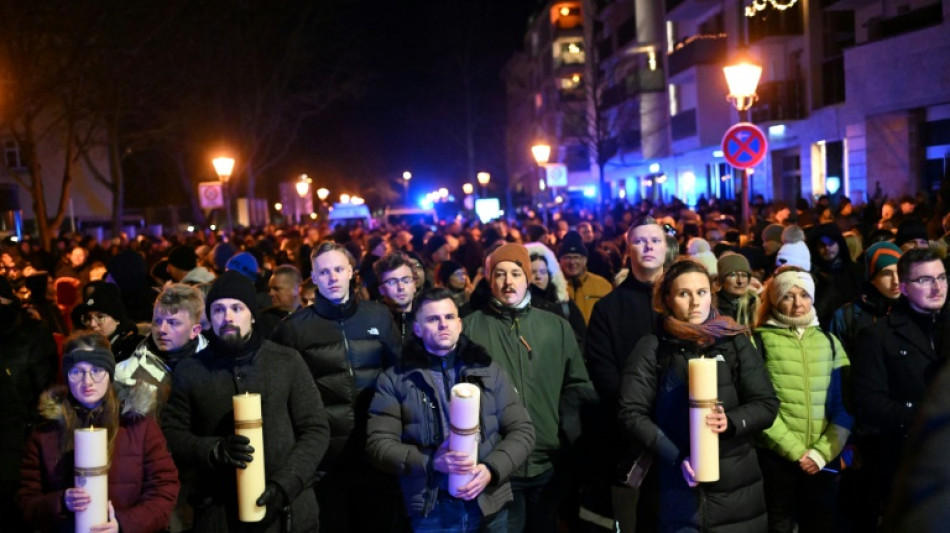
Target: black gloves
233	450
273	497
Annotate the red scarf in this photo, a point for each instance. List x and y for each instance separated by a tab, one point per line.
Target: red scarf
715	327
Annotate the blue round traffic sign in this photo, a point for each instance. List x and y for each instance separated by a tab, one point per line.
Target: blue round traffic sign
744	145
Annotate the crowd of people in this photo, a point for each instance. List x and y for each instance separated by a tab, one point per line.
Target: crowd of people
826	322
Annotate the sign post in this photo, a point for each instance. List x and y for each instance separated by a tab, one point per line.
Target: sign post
744	146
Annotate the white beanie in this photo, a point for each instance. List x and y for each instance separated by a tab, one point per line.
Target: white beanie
784	282
697	245
794	254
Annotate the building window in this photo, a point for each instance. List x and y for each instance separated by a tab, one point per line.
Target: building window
11	155
571	53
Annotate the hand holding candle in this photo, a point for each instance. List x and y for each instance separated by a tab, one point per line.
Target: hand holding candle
91	461
703	439
463	417
251	480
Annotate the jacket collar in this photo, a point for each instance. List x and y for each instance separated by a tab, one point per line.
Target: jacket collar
415	356
331	311
633	284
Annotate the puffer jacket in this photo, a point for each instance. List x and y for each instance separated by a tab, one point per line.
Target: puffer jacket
807	375
143	480
405	426
346	347
537	350
654	415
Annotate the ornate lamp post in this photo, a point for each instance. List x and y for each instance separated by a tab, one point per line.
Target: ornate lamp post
224	166
541	153
742	78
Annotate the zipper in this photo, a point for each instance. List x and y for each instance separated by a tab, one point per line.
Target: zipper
808	420
346	355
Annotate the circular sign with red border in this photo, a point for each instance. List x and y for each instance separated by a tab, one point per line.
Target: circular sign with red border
744	145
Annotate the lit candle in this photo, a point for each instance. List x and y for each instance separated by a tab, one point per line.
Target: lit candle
250	480
463	417
91	461
703	442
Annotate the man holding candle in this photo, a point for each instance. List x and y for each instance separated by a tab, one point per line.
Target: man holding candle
199	418
540	353
346	343
409	424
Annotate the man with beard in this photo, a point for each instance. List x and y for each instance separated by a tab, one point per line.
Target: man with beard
198	421
175	335
346	344
539	352
896	360
397	288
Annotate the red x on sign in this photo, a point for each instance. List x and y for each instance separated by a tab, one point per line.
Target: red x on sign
744	145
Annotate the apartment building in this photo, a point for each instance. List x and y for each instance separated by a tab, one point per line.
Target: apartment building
854	96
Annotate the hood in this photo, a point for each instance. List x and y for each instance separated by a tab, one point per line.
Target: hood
134	402
414	354
554	268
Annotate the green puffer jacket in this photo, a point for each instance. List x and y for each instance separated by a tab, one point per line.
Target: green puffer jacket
540	353
806	374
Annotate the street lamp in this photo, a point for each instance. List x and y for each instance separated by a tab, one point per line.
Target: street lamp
224	166
323	193
406	176
742	78
483	179
467	188
303	190
541	153
344	198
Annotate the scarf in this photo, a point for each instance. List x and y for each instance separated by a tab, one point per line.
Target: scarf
714	328
808	319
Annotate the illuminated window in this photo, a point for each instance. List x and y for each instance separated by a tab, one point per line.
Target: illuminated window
11	155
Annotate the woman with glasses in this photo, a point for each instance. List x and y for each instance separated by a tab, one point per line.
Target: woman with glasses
102	310
654	407
799	452
143	480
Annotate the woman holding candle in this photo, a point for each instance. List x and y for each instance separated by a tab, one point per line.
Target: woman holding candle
142	479
805	365
654	407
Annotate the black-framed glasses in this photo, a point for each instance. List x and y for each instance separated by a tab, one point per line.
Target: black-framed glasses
929	281
392	282
96	374
94	318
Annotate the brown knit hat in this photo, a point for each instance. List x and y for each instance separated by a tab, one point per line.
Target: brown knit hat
515	253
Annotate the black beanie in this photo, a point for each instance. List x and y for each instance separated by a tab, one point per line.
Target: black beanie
104	297
96	357
233	284
183	257
572	243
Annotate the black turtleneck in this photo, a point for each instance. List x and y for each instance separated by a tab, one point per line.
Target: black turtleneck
224	349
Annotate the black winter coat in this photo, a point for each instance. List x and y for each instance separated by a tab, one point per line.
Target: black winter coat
296	433
654	414
405	426
346	347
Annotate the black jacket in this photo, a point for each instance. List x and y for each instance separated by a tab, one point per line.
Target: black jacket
654	414
346	347
405	426
296	433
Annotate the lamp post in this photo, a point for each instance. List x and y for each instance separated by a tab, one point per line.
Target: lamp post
406	176
224	166
541	153
483	179
742	78
467	189
303	190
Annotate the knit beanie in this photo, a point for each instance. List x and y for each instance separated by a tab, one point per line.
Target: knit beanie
880	256
795	254
782	283
96	357
697	245
233	284
572	243
910	229
730	263
515	253
183	257
792	233
104	298
245	263
772	232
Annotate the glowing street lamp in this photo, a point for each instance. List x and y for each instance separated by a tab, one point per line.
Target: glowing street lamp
467	188
483	179
303	186
542	153
323	193
344	198
223	167
743	78
406	176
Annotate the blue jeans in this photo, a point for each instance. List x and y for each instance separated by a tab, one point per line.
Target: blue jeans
452	515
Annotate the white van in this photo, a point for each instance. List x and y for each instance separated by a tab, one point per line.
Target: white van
350	214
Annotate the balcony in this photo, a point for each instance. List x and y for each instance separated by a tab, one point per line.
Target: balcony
683	125
779	101
917	19
697	50
771	24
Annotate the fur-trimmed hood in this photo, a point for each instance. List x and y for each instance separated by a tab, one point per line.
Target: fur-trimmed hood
134	402
554	269
414	354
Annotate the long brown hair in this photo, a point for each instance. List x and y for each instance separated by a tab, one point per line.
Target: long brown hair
715	327
106	414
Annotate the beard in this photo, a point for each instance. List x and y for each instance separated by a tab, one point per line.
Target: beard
232	338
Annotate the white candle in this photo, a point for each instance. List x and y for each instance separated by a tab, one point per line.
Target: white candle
463	416
703	442
250	480
91	461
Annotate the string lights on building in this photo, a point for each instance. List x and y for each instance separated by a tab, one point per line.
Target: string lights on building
760	5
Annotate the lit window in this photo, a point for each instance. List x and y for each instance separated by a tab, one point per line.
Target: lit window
11	155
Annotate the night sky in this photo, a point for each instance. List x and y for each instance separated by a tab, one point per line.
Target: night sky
410	113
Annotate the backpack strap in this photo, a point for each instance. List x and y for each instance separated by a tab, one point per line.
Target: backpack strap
759	343
834	351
